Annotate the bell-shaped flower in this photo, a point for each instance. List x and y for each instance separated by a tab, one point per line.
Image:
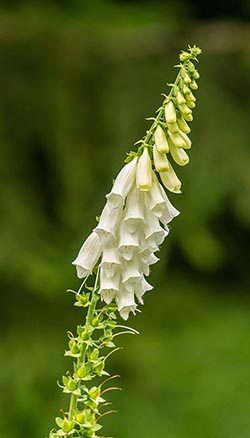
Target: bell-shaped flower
122	185
141	289
179	155
134	211
107	225
128	242
88	255
130	274
154	233
170	212
160	161
171	181
144	171
110	260
170	113
109	286
161	142
146	249
125	301
154	199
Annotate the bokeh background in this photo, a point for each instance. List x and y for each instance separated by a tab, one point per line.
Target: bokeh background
77	80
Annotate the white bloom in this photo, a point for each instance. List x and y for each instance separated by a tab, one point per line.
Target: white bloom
154	233
161	142
170	212
122	185
126	303
107	225
109	286
155	201
170	180
88	255
130	274
144	171
140	289
170	113
128	242
147	249
134	211
110	260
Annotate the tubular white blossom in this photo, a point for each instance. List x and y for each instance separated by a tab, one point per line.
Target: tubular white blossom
160	161
170	180
122	185
170	212
144	171
109	286
154	233
141	289
155	201
128	242
88	255
110	260
130	274
125	301
134	211
107	226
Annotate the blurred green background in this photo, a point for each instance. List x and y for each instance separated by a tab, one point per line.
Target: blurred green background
78	79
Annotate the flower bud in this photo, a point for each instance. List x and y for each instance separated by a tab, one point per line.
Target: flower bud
67	425
170	180
170	113
94	392
178	139
193	85
180	98
186	77
81	417
179	155
188	117
161	142
184	56
183	126
190	104
82	372
184	109
160	161
144	171
196	74
173	127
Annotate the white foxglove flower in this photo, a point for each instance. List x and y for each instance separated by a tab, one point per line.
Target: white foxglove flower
128	242
144	171
109	286
107	225
170	113
155	201
170	180
130	274
134	211
125	303
147	249
170	212
154	233
122	185
88	256
161	142
141	289
110	260
183	126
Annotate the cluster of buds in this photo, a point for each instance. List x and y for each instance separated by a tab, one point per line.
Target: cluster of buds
134	221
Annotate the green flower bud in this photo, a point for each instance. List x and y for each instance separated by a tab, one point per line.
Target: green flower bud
188	117
99	367
186	77
170	113
95	321
179	155
196	74
183	126
71	385
193	85
161	142
73	346
94	354
190	96
184	109
160	161
81	417
67	425
94	392
180	98
187	140
190	104
191	67
184	56
82	372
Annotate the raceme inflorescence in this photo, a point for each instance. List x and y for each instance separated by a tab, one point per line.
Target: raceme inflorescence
114	261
